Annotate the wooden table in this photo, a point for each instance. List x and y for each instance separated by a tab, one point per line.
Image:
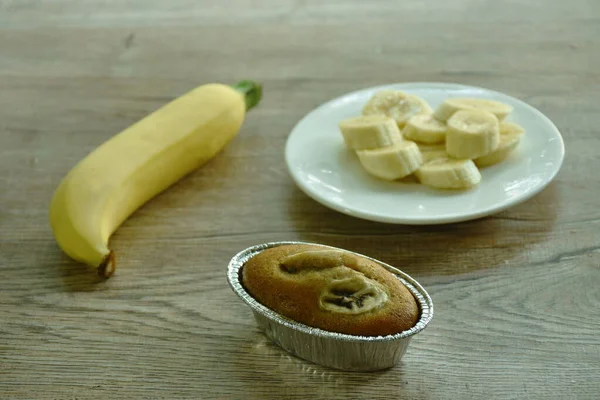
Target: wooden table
516	294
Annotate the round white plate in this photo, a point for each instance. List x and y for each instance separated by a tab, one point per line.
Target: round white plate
329	173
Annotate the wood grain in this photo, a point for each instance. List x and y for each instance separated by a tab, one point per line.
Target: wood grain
516	299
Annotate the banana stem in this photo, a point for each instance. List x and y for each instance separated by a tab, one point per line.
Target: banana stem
108	266
252	92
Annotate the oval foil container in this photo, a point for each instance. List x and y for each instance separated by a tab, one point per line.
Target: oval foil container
330	349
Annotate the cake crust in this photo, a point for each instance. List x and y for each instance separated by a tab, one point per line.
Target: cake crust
330	289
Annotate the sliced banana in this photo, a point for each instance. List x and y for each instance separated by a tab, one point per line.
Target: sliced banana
312	260
397	105
392	162
369	132
510	136
472	134
452	105
449	173
510	128
425	129
353	295
432	151
431	147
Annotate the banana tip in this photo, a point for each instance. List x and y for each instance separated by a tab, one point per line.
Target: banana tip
108	267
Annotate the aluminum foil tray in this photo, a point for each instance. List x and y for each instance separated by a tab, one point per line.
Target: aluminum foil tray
330	349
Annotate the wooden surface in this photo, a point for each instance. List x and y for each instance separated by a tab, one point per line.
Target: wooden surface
517	305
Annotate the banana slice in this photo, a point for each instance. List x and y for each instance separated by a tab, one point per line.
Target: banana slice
452	105
356	294
510	136
392	162
509	128
369	132
472	134
449	173
431	147
432	151
397	105
425	129
312	260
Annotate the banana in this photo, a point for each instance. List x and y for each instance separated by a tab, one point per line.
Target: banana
425	129
472	134
397	105
354	294
448	173
433	155
348	291
510	136
432	151
510	128
452	105
312	260
431	147
115	179
369	132
392	162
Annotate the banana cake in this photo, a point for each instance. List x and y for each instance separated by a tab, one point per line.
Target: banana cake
330	289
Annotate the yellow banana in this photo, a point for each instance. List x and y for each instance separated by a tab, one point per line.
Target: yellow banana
126	171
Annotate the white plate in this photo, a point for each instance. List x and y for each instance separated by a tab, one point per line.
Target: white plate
325	170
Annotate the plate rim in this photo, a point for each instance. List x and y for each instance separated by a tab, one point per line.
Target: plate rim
494	209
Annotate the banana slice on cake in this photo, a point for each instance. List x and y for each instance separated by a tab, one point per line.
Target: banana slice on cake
510	136
392	162
369	132
396	104
452	105
355	294
425	129
444	172
472	134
